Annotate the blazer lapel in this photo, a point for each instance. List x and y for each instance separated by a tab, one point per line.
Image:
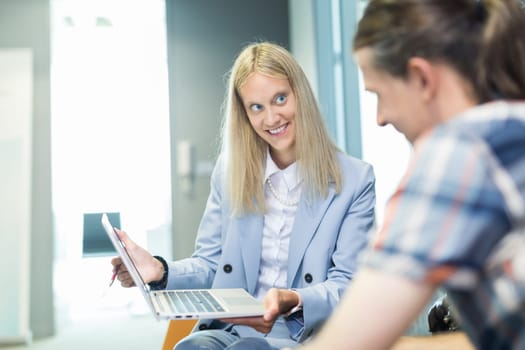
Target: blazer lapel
307	219
250	233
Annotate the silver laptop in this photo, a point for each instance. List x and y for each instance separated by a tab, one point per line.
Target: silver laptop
188	303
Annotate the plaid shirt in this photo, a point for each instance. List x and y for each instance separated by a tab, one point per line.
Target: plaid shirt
458	219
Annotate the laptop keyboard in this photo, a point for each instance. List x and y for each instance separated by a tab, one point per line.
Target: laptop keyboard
190	301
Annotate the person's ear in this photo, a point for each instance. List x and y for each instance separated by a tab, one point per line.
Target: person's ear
422	73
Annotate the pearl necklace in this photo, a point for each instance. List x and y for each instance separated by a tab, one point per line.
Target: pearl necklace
277	196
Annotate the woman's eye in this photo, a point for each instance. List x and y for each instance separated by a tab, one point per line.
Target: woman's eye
255	108
280	99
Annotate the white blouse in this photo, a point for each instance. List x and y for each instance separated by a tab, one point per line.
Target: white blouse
281	204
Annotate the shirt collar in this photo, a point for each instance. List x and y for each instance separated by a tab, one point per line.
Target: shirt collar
290	173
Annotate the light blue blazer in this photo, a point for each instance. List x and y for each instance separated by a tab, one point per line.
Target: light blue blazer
327	235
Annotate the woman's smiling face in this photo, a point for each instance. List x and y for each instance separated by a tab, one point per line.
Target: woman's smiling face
270	105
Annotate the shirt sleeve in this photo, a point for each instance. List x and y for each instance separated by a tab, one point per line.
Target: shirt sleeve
445	216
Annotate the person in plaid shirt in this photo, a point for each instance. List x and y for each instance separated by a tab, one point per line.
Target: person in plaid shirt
450	76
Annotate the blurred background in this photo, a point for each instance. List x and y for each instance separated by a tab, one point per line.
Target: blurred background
115	106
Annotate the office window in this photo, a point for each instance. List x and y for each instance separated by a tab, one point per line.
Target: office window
110	139
337	73
349	110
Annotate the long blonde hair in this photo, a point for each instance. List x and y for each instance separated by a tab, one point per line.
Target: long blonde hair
244	152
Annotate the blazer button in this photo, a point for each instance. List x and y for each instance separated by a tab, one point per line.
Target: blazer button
227	268
308	278
202	327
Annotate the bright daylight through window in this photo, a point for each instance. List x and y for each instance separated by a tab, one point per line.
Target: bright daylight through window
110	141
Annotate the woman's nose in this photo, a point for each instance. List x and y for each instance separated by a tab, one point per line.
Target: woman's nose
271	117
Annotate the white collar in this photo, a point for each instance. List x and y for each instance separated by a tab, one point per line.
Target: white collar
290	174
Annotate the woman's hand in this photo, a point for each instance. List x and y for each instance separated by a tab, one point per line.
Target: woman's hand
276	302
150	269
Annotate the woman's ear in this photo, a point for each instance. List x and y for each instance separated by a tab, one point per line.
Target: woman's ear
422	74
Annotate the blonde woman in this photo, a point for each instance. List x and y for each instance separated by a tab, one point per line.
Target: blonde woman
286	216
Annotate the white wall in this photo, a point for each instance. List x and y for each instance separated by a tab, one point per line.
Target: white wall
25	24
15	192
302	37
